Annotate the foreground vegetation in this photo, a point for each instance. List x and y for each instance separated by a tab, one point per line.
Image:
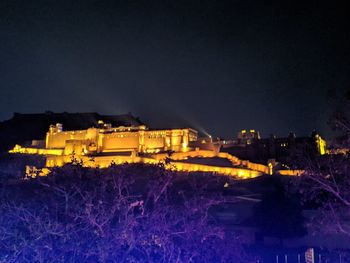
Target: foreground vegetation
144	213
126	213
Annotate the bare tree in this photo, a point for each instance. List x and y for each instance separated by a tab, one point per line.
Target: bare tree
326	181
126	213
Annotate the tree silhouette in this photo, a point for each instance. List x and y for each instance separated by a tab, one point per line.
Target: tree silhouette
126	213
325	182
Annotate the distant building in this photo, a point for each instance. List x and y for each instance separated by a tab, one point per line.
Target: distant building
248	145
247	137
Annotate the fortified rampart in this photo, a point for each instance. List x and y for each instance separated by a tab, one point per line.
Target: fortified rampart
101	146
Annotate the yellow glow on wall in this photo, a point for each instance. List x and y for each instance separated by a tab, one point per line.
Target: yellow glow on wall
62	146
290	172
24	150
321	145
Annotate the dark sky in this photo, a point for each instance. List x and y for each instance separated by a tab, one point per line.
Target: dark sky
219	66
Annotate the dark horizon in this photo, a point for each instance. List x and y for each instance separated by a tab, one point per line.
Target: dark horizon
220	66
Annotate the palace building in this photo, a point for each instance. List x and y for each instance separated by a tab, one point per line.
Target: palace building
100	146
122	139
107	139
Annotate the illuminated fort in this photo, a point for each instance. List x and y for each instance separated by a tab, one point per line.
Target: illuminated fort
177	149
100	144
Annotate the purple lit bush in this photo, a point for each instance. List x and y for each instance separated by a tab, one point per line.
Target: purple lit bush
127	213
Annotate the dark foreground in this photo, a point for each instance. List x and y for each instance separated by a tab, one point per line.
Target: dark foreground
138	213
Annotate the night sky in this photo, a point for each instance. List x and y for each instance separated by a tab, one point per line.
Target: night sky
218	66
